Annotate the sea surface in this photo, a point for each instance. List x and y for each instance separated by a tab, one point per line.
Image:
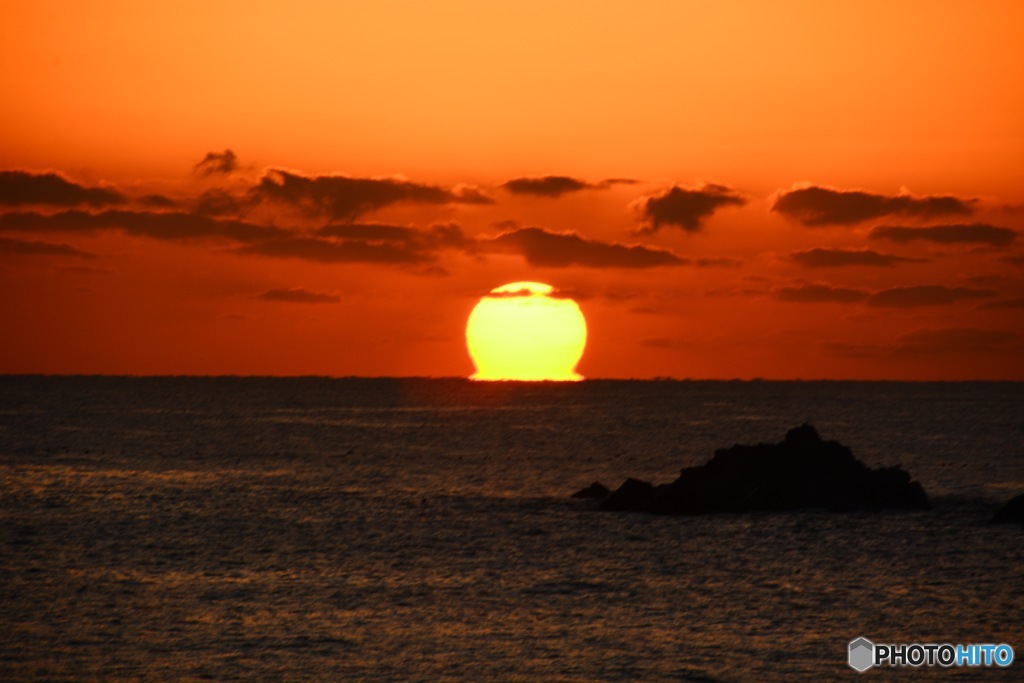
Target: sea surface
422	530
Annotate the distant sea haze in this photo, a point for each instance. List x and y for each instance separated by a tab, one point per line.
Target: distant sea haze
414	529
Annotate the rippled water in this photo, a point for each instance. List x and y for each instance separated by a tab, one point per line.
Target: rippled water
420	530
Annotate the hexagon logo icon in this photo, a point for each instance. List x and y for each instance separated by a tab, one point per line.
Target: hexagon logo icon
862	654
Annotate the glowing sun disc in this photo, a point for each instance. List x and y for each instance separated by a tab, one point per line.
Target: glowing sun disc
524	331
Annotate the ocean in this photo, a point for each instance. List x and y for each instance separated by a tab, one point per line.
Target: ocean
422	530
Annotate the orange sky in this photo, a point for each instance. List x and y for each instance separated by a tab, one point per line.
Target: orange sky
847	204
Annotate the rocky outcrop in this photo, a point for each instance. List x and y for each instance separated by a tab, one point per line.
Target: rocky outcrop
596	490
1012	512
632	495
803	471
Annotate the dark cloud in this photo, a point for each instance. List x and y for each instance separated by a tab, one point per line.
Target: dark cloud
1004	304
345	199
1015	260
574	294
548	186
953	339
836	258
555	293
815	206
986	279
717	262
974	233
820	294
371	232
443	236
560	250
686	209
558	185
929	341
512	294
169	226
299	296
897	297
468	194
368	243
20	188
925	295
330	251
217	163
9	245
507	224
217	202
158	201
664	343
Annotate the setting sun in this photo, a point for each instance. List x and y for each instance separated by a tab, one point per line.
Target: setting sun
524	331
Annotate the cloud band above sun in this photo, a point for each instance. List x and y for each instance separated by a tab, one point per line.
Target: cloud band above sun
676	252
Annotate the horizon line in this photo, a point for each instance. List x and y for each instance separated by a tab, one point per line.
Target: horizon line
584	380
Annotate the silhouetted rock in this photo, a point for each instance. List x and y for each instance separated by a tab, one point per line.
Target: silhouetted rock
803	471
632	495
1012	512
595	490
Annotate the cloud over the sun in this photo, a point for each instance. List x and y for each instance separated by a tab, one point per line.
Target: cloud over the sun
343	198
837	258
560	250
973	233
21	188
298	295
816	206
682	208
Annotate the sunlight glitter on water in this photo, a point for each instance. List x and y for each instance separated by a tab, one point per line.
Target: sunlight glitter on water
154	544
